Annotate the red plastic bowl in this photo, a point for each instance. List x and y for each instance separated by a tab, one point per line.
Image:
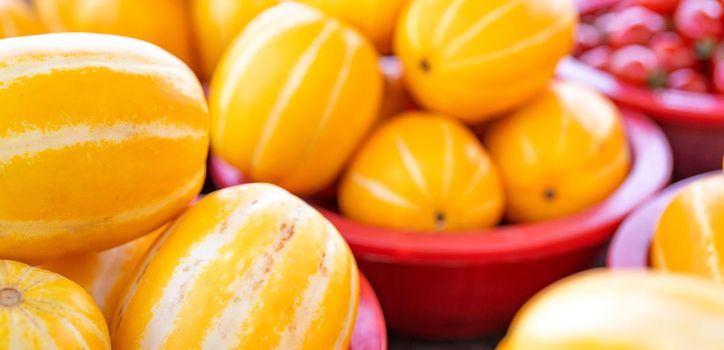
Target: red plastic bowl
471	283
631	244
693	122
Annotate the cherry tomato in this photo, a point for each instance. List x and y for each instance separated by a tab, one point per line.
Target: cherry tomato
587	36
672	51
687	79
634	25
660	6
601	22
597	57
699	19
635	64
718	77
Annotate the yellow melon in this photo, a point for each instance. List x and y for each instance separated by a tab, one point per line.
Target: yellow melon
292	97
17	19
43	310
475	59
689	236
422	171
162	22
102	139
561	153
217	23
621	310
105	274
247	267
375	19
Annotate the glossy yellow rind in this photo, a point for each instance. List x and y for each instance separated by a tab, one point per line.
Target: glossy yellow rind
563	152
247	267
105	275
422	171
375	19
621	310
102	139
292	97
474	59
17	19
689	236
43	310
217	23
165	23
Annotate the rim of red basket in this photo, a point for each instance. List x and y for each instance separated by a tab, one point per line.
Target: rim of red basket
370	331
650	171
632	241
665	104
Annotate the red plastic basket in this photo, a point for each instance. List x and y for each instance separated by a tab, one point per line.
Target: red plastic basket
631	244
693	122
468	284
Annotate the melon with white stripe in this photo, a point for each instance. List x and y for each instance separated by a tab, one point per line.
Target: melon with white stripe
216	24
40	309
689	237
375	19
17	19
621	310
102	139
105	274
561	153
165	23
293	96
422	171
247	267
474	59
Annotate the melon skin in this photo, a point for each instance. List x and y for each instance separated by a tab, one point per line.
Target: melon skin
247	267
622	310
477	60
105	274
40	309
293	96
165	23
102	140
18	19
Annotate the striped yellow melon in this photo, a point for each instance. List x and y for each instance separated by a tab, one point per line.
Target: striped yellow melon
43	310
422	171
17	18
218	22
689	237
102	139
561	153
247	267
293	96
474	59
162	22
105	274
621	310
375	19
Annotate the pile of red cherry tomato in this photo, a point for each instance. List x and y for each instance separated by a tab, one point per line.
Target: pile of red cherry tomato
673	44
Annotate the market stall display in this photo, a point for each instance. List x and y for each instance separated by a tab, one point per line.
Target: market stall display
227	174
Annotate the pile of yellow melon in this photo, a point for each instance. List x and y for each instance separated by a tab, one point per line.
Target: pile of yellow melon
104	139
296	101
103	145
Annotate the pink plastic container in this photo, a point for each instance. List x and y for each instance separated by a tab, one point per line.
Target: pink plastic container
693	122
631	244
370	332
468	284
